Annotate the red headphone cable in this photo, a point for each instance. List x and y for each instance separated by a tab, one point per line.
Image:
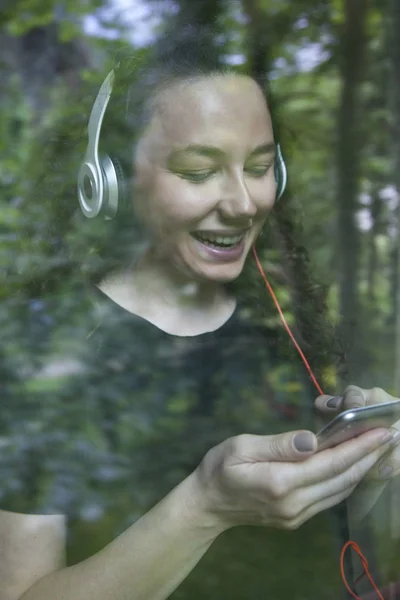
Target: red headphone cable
321	393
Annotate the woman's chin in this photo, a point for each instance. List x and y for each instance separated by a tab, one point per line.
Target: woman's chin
218	265
195	264
220	273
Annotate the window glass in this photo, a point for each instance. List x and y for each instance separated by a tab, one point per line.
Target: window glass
162	165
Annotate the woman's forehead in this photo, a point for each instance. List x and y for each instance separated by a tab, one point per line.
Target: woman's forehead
198	111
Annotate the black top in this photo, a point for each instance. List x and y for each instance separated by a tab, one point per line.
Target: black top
136	414
127	384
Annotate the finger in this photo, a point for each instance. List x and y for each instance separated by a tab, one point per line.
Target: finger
291	446
388	466
377	395
354	397
329	404
322	505
332	462
319	468
347	480
314	509
326	494
362	500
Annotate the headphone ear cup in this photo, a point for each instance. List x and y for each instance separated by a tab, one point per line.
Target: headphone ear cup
280	173
114	186
101	188
91	189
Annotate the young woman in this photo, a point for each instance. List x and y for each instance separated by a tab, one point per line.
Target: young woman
202	191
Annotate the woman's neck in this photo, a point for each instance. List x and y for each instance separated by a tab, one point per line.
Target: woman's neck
168	298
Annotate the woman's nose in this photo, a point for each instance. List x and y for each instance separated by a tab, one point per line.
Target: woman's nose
236	201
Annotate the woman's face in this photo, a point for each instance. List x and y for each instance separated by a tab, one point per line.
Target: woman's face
204	175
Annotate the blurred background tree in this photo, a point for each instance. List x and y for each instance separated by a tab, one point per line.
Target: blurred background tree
332	69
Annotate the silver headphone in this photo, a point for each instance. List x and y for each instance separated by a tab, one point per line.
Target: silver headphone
100	178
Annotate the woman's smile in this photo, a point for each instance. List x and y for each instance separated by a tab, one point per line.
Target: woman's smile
219	246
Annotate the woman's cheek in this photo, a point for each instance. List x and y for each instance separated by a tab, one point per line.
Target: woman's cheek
183	202
265	193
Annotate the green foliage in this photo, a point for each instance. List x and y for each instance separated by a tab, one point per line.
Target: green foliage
25	15
85	441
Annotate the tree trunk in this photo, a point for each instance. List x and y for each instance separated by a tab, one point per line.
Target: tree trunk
258	39
373	262
353	46
259	62
394	45
395	109
40	58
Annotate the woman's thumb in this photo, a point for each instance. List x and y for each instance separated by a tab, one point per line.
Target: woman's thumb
292	445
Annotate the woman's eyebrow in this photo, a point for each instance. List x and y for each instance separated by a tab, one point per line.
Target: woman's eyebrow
209	151
213	152
269	148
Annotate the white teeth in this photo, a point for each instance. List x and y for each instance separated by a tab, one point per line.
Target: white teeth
219	239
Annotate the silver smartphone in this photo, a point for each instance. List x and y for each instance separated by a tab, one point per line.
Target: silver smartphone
352	423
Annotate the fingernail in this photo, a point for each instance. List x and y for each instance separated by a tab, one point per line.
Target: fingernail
334	402
395	435
385	471
303	442
388	437
392	436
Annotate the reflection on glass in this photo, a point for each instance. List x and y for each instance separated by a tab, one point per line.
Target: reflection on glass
151	395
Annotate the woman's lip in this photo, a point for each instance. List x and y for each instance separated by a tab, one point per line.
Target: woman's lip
222	254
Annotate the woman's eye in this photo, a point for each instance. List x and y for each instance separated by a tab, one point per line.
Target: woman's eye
259	171
196	176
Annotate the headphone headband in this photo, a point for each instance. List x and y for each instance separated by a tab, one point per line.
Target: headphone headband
99	179
280	172
98	191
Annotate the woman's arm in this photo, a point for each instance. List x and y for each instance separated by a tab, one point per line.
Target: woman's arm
31	546
277	481
146	562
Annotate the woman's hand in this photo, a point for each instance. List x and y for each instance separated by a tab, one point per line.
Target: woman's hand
356	397
280	480
387	468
